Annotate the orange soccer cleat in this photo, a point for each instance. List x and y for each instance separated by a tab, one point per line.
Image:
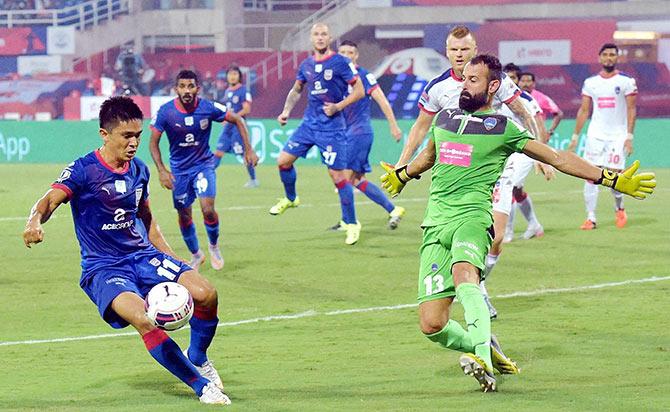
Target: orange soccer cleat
621	218
588	225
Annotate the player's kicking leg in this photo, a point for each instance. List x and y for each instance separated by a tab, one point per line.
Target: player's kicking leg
288	176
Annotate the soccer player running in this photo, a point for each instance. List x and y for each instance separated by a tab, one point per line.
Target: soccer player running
238	100
187	121
108	189
327	76
443	92
360	136
466	150
609	138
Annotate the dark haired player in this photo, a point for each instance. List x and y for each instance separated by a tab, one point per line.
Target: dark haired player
187	121
108	189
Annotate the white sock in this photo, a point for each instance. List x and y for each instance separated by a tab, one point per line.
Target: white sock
591	200
490	262
618	199
482	287
526	207
510	219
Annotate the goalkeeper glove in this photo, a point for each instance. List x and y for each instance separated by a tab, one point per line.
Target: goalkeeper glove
394	180
637	185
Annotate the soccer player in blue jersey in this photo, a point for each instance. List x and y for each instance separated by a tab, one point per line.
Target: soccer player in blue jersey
327	77
108	189
238	100
360	136
187	121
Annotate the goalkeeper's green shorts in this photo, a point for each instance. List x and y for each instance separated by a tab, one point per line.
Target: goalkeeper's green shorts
443	245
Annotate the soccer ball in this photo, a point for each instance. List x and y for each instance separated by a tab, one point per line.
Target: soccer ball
169	305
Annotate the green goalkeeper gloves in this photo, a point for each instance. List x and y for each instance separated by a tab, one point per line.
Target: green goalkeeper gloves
394	180
637	185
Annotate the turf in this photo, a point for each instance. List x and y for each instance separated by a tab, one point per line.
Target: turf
591	349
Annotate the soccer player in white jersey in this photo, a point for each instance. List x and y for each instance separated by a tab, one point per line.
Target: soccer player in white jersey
443	92
516	169
609	138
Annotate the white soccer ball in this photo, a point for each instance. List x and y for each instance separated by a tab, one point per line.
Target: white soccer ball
169	305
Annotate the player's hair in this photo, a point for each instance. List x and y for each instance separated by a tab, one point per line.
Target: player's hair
609	46
118	109
492	63
349	43
460	31
532	76
237	69
186	74
511	67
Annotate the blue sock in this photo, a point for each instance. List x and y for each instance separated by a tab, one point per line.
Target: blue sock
190	237
288	178
375	194
213	230
346	192
252	172
203	328
217	161
167	353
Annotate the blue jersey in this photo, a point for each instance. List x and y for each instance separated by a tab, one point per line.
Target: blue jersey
188	133
327	80
104	207
357	114
234	98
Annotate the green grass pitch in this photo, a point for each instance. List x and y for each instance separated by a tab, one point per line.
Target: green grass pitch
579	348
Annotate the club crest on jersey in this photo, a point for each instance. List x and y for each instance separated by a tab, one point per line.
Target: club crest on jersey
490	123
138	196
64	175
236	99
188	121
120	186
318	68
617	90
328	74
204	124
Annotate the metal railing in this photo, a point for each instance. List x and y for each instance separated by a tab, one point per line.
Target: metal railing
86	14
277	5
276	64
295	35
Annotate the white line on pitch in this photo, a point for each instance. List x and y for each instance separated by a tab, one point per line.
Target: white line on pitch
312	313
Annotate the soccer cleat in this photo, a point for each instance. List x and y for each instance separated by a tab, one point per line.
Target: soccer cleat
533	231
395	216
197	259
502	363
338	227
474	366
283	204
252	184
621	218
492	311
588	225
353	233
215	257
208	371
212	395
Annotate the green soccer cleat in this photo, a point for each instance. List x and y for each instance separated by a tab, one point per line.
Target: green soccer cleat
353	233
395	216
474	366
284	204
501	362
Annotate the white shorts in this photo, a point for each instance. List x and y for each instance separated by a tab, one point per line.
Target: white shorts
516	169
606	151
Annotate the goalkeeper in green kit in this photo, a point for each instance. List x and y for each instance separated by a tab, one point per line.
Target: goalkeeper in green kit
467	149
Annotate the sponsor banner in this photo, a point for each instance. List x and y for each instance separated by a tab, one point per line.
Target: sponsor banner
7	65
63	141
90	107
26	91
542	52
32	65
22	41
60	39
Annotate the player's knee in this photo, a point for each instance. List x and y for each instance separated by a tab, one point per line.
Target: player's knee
141	322
205	295
284	162
209	213
430	323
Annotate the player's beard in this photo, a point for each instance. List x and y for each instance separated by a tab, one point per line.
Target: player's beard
609	69
322	51
471	103
187	104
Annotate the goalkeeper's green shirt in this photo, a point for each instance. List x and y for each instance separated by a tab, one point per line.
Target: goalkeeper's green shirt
470	154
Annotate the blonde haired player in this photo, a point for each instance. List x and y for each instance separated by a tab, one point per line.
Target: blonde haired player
609	138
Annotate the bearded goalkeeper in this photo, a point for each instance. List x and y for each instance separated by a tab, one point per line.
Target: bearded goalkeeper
467	150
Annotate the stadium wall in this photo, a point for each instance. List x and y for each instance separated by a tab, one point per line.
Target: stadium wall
63	141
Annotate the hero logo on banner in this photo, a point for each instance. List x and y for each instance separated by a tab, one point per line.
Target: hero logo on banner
544	52
60	39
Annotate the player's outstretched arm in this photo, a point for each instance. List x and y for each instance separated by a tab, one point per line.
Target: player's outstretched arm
384	104
250	157
153	231
40	213
164	176
631	116
582	116
291	100
638	185
395	178
416	135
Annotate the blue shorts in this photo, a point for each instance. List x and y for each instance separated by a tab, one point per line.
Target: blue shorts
189	186
332	145
358	152
136	273
230	141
